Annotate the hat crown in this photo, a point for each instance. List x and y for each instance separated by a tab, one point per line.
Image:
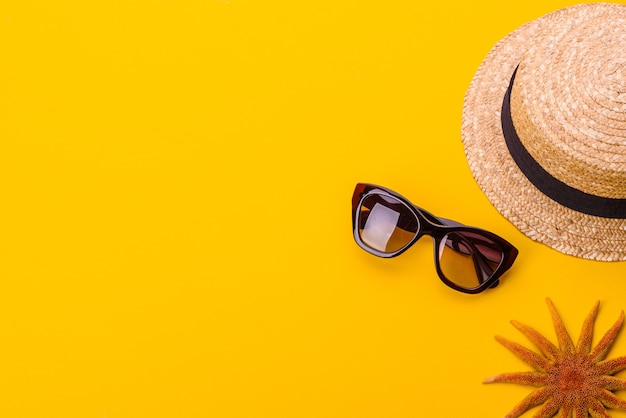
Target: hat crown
568	102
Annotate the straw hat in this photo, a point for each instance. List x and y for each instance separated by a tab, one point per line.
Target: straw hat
544	129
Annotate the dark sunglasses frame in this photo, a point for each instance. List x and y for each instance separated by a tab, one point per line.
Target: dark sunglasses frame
437	228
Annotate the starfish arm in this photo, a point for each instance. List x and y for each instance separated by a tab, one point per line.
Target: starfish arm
612	383
537	361
521	378
547	348
596	410
535	398
612	366
549	409
586	334
565	412
579	411
600	350
609	400
565	341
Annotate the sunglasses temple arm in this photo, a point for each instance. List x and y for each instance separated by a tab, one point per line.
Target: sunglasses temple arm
481	262
449	222
483	268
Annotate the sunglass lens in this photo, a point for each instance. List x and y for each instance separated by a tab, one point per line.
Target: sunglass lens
468	259
386	224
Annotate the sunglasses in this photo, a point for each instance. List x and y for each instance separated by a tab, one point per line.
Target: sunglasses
467	259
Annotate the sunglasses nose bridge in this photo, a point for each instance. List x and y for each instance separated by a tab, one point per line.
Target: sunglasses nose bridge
426	228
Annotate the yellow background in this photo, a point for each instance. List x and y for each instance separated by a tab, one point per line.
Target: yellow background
175	235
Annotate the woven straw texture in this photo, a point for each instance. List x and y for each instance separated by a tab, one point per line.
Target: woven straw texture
568	106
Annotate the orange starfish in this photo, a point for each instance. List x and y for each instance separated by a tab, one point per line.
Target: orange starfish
573	380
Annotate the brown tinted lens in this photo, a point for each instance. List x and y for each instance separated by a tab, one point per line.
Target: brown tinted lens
468	259
386	224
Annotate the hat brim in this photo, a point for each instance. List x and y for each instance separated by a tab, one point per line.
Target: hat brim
511	193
